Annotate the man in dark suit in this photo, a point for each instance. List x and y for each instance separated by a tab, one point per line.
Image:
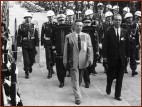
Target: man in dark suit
116	48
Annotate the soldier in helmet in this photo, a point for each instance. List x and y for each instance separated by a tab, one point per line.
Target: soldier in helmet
91	30
134	41
46	40
28	39
60	31
108	7
108	23
137	27
125	10
70	16
115	9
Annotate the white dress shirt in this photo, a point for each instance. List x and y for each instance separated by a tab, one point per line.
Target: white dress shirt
119	31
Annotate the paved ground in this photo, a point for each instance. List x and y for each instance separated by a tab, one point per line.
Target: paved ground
40	91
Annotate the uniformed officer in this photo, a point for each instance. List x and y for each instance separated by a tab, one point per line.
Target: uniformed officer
69	16
115	9
125	10
108	7
69	21
137	24
46	40
28	39
108	23
91	30
134	41
60	31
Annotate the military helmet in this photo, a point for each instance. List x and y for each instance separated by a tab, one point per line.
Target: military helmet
100	4
69	12
50	13
88	12
61	17
108	13
115	7
127	9
109	6
26	15
138	13
127	15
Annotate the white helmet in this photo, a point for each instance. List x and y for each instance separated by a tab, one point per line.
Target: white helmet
88	12
69	12
127	9
61	17
108	13
91	2
109	6
50	13
27	15
138	13
115	7
128	15
100	4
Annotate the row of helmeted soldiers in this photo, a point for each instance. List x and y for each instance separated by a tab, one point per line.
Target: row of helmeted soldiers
53	34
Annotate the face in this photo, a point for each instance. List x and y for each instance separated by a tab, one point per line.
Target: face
116	11
109	19
78	27
117	21
138	19
28	19
129	19
50	18
124	12
70	17
61	21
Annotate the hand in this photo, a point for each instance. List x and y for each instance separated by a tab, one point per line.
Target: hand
19	49
100	46
97	54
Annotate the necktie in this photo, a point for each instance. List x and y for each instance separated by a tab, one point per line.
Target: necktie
79	43
117	35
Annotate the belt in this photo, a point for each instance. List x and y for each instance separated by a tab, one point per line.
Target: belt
25	38
46	38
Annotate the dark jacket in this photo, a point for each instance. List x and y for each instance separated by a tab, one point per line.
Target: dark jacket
115	50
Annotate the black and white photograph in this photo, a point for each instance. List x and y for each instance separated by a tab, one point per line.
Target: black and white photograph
71	53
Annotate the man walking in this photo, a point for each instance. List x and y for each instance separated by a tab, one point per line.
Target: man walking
116	48
78	54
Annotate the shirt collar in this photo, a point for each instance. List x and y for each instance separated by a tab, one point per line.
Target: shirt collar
76	34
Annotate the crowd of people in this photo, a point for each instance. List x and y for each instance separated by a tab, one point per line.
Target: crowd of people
75	45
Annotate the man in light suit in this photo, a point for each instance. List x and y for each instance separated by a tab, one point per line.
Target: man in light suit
78	54
116	48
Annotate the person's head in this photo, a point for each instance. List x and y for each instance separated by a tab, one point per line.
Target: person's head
108	16
89	13
78	25
61	18
138	16
27	17
126	10
70	14
128	17
117	20
50	15
115	9
100	7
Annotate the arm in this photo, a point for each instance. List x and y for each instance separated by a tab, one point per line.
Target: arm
36	35
42	34
127	45
89	49
19	37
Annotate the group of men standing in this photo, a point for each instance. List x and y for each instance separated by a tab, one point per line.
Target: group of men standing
76	45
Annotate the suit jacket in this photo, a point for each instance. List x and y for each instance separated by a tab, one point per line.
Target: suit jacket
80	58
115	50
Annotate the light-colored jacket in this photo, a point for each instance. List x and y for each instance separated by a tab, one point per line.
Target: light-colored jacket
80	59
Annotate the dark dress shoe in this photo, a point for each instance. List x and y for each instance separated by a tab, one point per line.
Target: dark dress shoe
77	102
134	73
30	70
118	98
87	85
108	90
61	85
27	76
49	76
